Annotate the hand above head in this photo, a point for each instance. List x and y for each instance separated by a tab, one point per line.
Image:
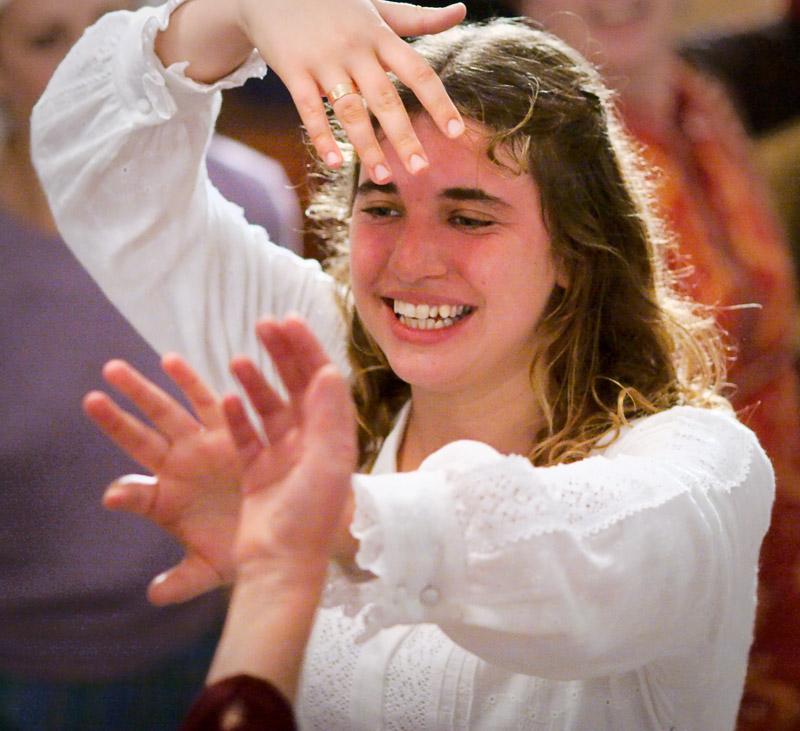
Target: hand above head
326	48
194	492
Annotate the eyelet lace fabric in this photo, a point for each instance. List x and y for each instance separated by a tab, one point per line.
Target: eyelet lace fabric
503	502
410	678
615	593
329	670
522	537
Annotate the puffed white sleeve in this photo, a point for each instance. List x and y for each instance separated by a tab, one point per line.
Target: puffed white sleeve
119	143
575	570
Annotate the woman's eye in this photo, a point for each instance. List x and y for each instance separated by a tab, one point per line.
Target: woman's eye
380	211
470	222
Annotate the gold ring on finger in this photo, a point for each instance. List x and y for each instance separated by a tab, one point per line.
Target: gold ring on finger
340	90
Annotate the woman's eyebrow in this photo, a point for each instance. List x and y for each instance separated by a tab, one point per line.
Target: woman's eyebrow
455	194
368	186
472	194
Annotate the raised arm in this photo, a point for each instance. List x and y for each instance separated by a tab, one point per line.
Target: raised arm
316	46
295	493
119	143
290	516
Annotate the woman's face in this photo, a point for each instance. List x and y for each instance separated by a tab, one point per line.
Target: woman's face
452	268
620	36
35	35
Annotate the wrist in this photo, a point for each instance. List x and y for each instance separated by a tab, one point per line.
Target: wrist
271	610
291	574
208	36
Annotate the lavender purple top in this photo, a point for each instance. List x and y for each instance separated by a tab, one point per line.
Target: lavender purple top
72	574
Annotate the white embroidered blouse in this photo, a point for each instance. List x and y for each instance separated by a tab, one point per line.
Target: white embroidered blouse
614	593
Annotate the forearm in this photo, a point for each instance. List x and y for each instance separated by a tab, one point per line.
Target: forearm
119	148
206	33
268	624
520	571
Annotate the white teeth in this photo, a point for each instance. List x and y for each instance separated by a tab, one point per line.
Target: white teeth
405	308
429	317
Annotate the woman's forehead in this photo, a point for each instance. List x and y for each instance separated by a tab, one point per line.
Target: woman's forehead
454	162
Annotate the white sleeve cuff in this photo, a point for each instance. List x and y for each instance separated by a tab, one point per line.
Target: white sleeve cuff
157	93
411	541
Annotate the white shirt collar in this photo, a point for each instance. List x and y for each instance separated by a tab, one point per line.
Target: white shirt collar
386	462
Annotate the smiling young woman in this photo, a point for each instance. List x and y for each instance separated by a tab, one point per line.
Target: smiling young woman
556	516
466	237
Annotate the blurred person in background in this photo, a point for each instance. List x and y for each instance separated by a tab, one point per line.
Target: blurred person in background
759	67
80	646
717	206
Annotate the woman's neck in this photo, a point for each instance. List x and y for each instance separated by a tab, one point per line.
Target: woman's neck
20	191
507	424
647	92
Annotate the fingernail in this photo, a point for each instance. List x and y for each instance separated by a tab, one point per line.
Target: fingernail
113	494
137	480
381	173
332	159
416	163
455	127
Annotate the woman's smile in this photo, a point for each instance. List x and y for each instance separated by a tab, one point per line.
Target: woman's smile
429	317
451	267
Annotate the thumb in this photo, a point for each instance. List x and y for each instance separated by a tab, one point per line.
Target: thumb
329	436
133	493
190	578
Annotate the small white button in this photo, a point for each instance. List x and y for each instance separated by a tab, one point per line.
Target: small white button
430	596
144	106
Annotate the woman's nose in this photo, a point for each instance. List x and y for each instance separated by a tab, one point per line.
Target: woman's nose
417	254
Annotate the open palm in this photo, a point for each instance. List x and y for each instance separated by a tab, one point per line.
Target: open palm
316	418
194	491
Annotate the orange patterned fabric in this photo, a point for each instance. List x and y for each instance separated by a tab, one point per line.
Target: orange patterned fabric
714	202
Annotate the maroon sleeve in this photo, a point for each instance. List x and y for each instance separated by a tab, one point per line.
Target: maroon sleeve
240	703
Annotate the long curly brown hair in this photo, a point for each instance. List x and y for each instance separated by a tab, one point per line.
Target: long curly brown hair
618	342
